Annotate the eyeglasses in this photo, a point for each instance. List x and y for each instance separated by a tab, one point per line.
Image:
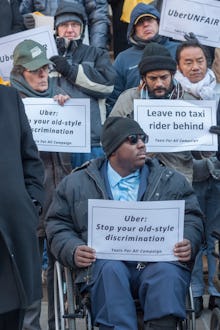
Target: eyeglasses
145	19
72	25
133	138
44	68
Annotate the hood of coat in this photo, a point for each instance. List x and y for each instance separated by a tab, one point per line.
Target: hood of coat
72	8
139	10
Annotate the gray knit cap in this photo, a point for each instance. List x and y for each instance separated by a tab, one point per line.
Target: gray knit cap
68	18
116	130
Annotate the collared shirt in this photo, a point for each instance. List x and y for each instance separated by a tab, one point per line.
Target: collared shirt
123	188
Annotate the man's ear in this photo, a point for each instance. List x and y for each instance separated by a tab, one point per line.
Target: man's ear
177	67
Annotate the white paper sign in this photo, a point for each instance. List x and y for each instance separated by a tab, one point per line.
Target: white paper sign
59	128
42	20
135	231
177	125
43	35
202	17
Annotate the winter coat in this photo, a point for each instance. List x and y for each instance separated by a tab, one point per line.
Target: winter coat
126	63
21	177
11	21
180	161
67	222
216	64
96	11
91	76
56	164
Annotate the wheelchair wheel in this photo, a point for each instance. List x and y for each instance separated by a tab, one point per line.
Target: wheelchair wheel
72	310
190	321
215	319
63	299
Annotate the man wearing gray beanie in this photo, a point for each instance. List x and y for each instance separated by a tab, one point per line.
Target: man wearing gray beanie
125	174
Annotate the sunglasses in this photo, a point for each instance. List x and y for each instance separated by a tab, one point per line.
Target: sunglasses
133	138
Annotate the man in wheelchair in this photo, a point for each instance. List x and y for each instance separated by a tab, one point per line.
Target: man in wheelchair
125	174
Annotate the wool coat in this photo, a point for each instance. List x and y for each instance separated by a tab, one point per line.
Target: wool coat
21	182
11	20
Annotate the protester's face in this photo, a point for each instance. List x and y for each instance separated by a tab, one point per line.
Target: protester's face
146	28
70	30
38	79
158	83
193	64
129	156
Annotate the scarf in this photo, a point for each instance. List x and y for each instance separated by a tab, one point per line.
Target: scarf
25	89
134	39
204	89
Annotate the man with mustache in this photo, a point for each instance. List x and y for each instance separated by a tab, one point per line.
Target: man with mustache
157	69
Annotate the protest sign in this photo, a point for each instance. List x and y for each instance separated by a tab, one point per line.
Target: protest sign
43	35
138	231
177	125
202	17
59	128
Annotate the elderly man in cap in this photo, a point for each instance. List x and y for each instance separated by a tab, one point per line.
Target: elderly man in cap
125	174
84	71
142	29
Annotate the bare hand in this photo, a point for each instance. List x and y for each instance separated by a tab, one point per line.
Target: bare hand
182	250
61	99
84	256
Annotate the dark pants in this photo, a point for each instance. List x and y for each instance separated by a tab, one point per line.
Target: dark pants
12	320
161	288
50	288
32	313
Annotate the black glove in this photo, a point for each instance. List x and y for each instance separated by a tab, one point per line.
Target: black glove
61	64
29	21
61	46
190	37
38	206
215	129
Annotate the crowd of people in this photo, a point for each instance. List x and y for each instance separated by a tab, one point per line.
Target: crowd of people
45	194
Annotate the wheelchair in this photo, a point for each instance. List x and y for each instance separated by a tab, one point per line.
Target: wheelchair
71	307
215	316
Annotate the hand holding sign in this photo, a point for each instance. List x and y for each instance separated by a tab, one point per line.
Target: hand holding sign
182	250
84	256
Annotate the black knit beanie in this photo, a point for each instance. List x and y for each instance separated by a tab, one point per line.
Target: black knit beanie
156	57
116	130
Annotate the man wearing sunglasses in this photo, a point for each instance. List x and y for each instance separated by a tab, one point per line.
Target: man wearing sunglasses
125	174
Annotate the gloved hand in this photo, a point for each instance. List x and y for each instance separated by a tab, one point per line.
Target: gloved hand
215	129
61	64
190	37
29	21
61	46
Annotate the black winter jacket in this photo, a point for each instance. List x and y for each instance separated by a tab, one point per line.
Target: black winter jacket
66	225
11	21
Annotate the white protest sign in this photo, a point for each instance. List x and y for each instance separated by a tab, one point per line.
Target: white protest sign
43	35
42	20
202	17
177	125
138	231
59	128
